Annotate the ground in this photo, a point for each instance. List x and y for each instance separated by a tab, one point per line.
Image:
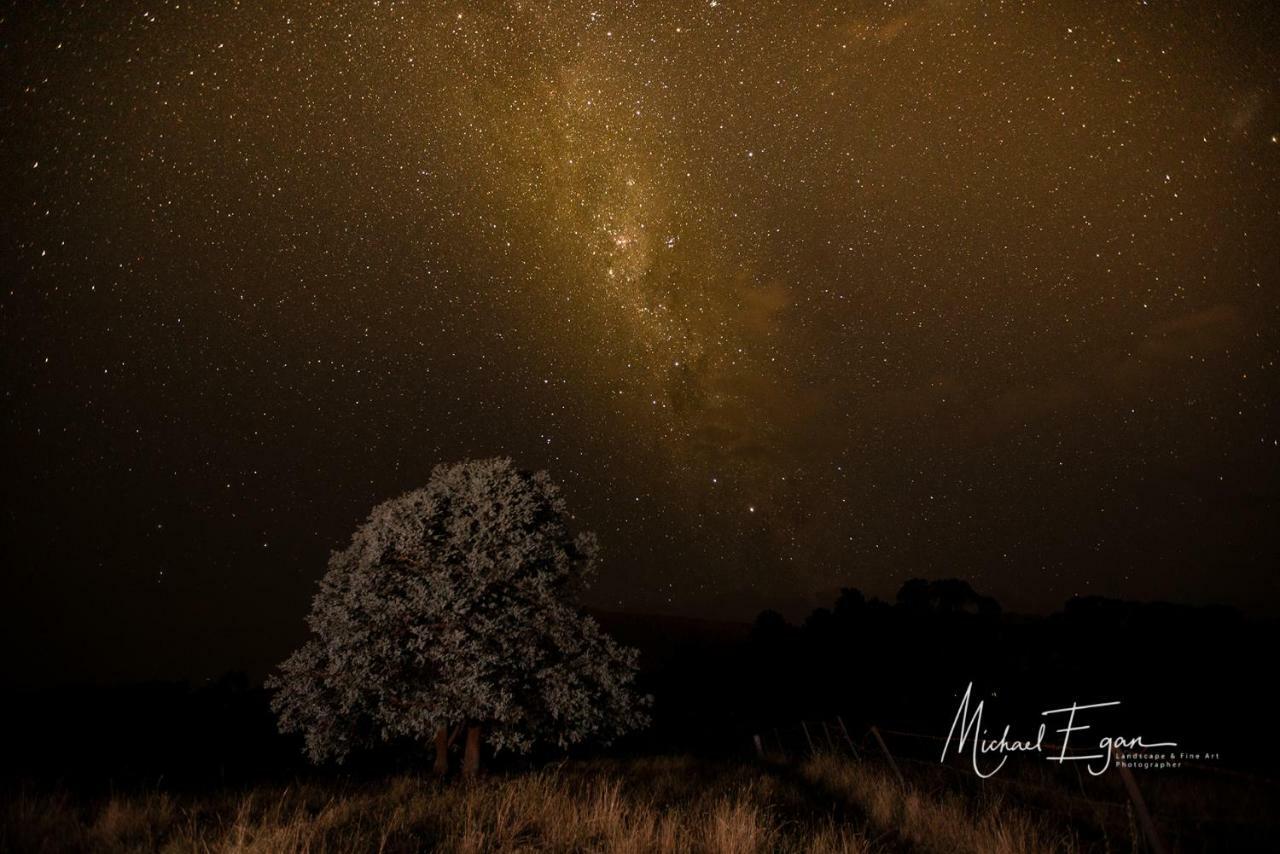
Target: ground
656	804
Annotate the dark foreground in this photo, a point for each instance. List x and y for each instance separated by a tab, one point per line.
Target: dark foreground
659	804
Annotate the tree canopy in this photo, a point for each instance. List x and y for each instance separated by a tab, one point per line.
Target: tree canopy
455	604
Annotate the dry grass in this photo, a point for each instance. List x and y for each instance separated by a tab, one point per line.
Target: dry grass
939	822
648	805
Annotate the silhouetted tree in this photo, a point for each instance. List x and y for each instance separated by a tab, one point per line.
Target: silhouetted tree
947	595
770	627
820	623
453	608
850	604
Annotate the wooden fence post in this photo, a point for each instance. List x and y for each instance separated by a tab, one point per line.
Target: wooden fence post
807	738
759	746
1144	817
849	740
889	756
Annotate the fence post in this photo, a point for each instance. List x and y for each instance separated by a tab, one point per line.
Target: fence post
807	738
849	740
1144	817
889	756
759	746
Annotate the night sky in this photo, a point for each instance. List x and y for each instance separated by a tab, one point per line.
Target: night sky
787	296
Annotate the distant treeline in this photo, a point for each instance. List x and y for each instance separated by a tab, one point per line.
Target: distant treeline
1196	675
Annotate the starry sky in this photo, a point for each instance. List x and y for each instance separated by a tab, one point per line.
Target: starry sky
787	296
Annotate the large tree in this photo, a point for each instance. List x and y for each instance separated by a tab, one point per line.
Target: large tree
454	608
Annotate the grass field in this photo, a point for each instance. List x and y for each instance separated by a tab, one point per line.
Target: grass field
661	804
666	804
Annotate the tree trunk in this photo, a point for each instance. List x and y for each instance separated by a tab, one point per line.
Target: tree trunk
471	758
442	752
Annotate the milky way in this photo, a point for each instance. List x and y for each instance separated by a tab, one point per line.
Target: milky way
788	297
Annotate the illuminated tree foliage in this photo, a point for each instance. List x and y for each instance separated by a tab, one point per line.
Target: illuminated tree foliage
453	607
